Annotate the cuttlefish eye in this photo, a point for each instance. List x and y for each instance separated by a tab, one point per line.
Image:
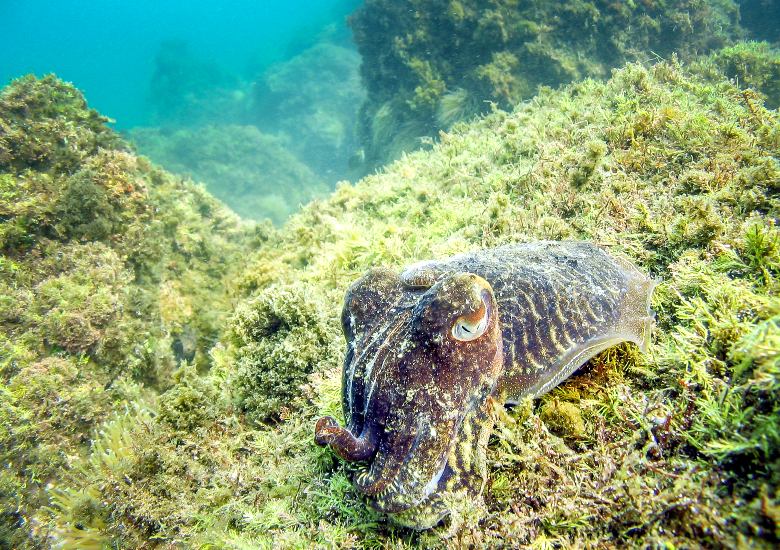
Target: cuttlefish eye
472	326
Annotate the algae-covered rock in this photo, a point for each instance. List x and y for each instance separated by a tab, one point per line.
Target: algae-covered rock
429	63
191	402
46	124
281	336
90	237
755	65
311	102
252	172
563	418
185	89
675	170
681	174
265	145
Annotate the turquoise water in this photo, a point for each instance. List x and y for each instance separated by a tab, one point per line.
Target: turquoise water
107	48
257	100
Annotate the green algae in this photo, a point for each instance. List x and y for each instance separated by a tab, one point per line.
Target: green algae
678	447
47	124
192	401
755	65
422	55
113	273
563	419
279	338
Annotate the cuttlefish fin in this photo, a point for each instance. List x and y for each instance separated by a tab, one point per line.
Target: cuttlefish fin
635	322
559	371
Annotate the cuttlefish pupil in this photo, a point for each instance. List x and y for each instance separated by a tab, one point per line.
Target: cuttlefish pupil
430	349
471	327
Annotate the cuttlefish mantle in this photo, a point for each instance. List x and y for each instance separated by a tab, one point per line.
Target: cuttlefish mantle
432	349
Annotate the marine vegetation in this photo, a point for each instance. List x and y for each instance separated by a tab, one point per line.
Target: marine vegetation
753	64
427	63
433	351
675	168
113	274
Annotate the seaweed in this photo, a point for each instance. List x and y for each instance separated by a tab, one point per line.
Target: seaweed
671	166
755	65
421	55
279	337
99	249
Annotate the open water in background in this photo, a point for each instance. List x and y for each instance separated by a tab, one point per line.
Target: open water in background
257	99
107	48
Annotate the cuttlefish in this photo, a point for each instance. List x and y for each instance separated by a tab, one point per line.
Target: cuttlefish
432	349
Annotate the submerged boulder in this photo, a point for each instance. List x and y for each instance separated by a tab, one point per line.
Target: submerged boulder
90	236
281	336
428	64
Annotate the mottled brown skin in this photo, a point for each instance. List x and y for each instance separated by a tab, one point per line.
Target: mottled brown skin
431	350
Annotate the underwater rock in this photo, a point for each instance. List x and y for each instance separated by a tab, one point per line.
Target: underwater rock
563	419
263	146
46	124
425	62
91	236
753	64
429	351
311	102
280	336
681	446
253	172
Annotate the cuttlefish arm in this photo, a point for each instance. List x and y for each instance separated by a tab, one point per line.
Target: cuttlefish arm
327	432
